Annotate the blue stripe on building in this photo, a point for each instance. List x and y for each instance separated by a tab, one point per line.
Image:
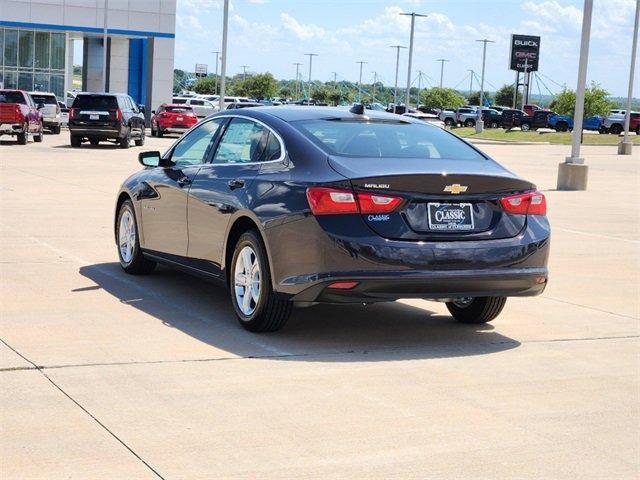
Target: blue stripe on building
138	70
75	28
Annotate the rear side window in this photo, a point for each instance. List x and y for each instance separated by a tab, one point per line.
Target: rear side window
96	102
12	97
197	102
179	100
243	141
385	139
46	99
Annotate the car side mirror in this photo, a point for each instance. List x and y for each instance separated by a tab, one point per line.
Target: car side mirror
40	106
141	108
153	112
153	159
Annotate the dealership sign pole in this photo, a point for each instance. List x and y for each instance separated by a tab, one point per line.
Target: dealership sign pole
625	146
572	174
223	66
413	25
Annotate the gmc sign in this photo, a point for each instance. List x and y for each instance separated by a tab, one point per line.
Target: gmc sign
525	51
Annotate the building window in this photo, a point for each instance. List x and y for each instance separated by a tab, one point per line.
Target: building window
33	60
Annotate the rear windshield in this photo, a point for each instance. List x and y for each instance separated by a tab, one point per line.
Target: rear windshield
382	139
46	99
12	97
179	100
184	109
96	102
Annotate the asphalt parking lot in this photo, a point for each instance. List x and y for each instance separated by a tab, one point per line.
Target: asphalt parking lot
104	375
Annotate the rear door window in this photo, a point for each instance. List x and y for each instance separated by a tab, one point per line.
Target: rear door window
244	141
96	102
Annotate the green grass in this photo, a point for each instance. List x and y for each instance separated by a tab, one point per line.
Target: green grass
550	137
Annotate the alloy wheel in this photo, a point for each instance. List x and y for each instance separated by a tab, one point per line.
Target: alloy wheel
127	236
246	280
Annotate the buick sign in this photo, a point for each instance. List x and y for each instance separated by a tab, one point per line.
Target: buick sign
525	53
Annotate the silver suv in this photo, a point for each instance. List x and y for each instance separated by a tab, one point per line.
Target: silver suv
51	117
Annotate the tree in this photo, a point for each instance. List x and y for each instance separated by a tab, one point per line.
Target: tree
335	96
595	101
474	98
442	98
260	86
504	96
205	86
320	93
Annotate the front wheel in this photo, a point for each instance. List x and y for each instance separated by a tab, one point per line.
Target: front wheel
131	258
476	310
616	129
494	125
256	305
448	122
469	123
56	130
525	127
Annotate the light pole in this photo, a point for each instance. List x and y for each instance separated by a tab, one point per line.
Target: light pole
360	81
223	66
310	55
479	122
625	146
470	82
297	92
441	60
104	47
375	80
413	25
244	71
395	89
572	174
215	88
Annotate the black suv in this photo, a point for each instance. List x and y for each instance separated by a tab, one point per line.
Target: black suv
106	116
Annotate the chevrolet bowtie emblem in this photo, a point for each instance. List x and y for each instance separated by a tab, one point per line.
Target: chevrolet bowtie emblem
456	188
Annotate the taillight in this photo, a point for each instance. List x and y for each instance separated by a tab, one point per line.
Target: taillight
72	113
19	116
333	201
530	203
117	113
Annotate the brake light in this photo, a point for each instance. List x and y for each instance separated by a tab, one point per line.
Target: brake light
72	113
116	113
19	116
333	201
530	203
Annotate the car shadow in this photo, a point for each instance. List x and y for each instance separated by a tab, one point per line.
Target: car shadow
327	333
100	146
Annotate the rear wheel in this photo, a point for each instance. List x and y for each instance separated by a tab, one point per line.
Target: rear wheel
254	301
126	141
131	258
616	129
140	141
469	123
56	130
22	137
525	127
476	310
448	122
493	124
76	141
159	132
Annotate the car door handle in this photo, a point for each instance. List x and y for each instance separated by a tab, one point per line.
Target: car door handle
235	183
184	182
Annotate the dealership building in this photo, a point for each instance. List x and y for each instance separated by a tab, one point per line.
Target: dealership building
39	40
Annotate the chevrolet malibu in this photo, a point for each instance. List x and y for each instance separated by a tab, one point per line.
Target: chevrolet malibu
302	205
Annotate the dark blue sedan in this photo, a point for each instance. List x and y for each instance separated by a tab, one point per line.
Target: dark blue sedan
294	205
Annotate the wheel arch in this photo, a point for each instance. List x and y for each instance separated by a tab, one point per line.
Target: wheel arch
241	223
123	196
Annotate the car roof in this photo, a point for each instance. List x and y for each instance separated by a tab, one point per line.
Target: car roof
42	93
291	113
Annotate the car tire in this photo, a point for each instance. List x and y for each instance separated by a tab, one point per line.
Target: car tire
525	127
493	125
159	133
76	141
132	260
56	130
267	313
615	129
94	141
140	141
125	142
153	131
476	310
448	122
22	137
469	123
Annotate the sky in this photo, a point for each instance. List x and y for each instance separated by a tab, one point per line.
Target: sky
271	35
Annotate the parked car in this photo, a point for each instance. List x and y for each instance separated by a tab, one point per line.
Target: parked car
564	123
290	205
511	118
64	114
499	108
172	118
448	117
202	108
615	123
50	110
97	117
236	105
20	116
466	116
491	118
531	108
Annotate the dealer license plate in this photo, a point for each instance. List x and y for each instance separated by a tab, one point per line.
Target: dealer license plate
450	216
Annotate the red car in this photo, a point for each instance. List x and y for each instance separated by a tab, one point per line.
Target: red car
172	118
20	116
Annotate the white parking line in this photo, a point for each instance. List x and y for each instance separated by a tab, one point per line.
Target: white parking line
610	237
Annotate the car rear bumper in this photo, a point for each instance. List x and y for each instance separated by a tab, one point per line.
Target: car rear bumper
97	132
10	128
170	129
392	285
